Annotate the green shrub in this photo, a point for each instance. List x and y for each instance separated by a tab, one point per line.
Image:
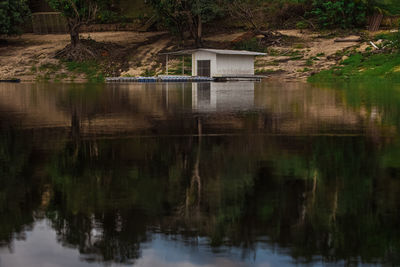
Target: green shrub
339	13
309	62
251	45
13	13
109	16
148	73
301	25
396	41
90	69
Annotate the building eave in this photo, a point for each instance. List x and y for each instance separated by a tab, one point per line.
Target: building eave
216	51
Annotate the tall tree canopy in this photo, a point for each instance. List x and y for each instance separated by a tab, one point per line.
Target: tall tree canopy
12	15
181	16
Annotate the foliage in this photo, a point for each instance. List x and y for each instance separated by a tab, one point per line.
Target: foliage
80	11
105	16
391	7
170	14
181	16
77	13
301	25
397	39
13	14
389	40
89	68
148	73
339	13
251	45
247	12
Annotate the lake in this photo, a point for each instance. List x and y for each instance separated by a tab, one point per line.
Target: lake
202	174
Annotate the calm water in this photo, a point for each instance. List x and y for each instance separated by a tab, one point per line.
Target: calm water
226	174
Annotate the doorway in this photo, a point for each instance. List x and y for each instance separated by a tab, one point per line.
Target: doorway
204	68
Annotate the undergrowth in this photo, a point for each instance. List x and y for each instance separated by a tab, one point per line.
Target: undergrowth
251	45
90	68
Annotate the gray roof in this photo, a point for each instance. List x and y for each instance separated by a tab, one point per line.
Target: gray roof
217	51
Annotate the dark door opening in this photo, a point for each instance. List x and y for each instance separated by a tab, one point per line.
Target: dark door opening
204	68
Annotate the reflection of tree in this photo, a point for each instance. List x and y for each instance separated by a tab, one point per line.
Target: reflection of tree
111	194
195	182
20	188
330	197
233	190
341	216
110	236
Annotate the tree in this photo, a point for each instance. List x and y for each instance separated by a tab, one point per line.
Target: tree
181	16
251	14
344	14
198	13
170	13
77	13
247	12
12	16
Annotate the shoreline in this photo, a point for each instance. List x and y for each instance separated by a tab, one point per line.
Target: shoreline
31	58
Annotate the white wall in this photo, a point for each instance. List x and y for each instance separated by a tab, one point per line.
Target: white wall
203	55
224	64
235	64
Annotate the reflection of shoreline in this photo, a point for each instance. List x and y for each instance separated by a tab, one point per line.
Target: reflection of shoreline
304	196
141	109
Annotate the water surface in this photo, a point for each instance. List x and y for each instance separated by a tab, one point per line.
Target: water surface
220	174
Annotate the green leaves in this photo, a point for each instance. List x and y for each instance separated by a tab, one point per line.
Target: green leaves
13	13
339	13
180	16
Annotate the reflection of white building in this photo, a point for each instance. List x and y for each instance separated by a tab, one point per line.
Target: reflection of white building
207	97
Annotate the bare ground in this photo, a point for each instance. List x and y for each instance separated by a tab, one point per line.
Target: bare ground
22	57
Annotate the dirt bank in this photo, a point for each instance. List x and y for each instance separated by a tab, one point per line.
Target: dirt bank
31	57
310	53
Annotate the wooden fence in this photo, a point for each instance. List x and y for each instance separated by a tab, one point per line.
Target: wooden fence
48	22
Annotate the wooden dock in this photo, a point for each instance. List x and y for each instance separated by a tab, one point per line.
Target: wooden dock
159	79
174	79
226	78
10	81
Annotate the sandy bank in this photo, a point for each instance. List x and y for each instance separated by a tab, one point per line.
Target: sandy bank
22	57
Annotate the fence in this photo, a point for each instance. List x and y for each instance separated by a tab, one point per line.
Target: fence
48	22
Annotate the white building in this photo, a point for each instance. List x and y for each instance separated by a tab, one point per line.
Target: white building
220	63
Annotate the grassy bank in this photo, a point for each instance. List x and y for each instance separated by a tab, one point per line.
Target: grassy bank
362	66
64	71
379	64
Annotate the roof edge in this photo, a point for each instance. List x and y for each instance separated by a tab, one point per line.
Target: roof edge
216	51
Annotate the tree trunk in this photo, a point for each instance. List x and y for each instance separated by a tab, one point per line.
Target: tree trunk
199	39
74	34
